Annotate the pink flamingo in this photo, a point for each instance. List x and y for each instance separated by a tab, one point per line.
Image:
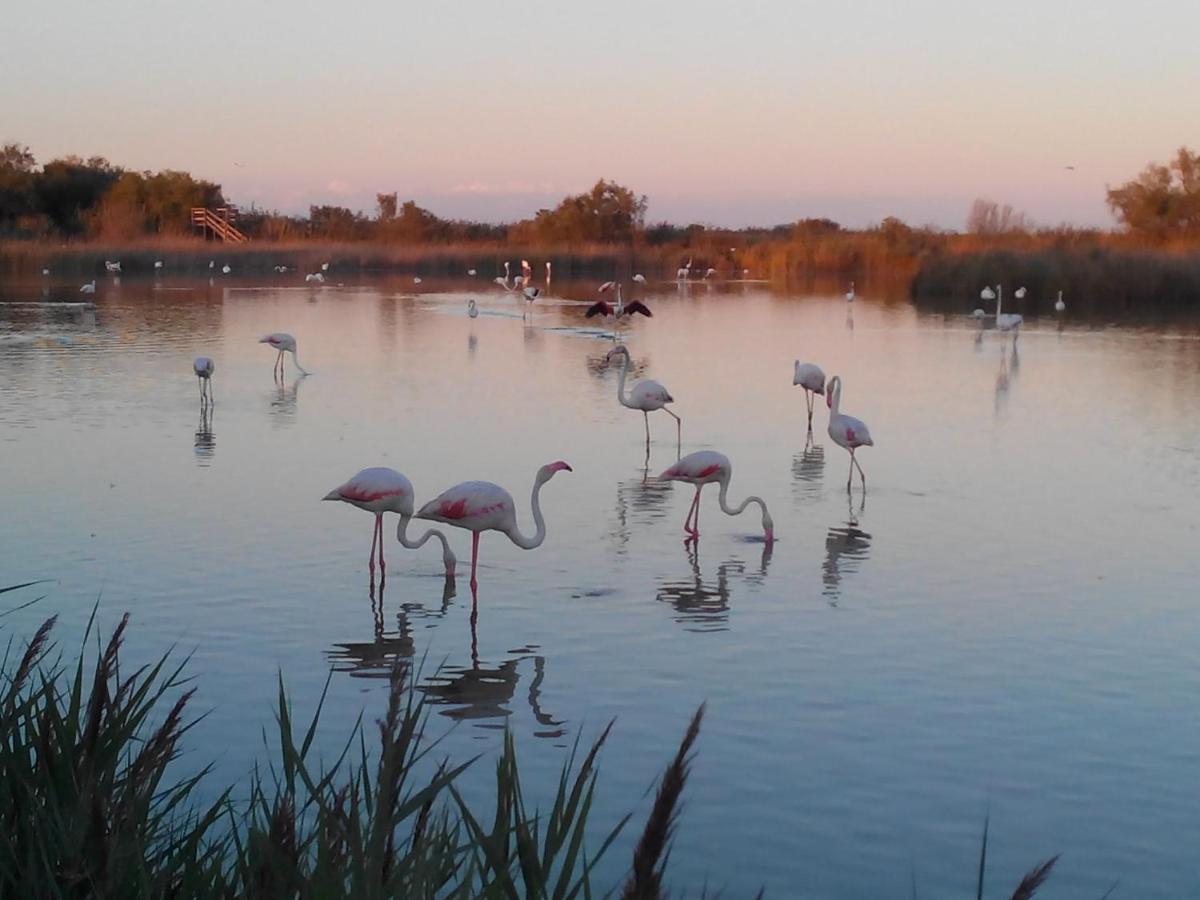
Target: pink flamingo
812	379
846	431
380	490
704	467
284	343
646	395
482	506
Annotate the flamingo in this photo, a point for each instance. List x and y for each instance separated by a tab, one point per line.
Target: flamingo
602	308
471	272
530	294
812	379
112	266
846	431
226	269
472	309
548	273
284	343
645	395
416	279
704	467
526	270
482	506
709	273
158	264
1059	305
324	267
45	271
684	271
212	264
850	293
506	281
639	278
380	490
1005	322
204	368
316	277
89	288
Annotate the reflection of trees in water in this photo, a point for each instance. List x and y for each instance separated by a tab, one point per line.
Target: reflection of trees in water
478	691
808	470
701	604
640	501
206	441
847	547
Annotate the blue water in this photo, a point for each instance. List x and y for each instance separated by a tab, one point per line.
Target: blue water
1007	622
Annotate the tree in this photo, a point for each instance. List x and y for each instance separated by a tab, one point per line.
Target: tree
386	206
68	189
607	214
989	217
152	203
1163	201
335	222
16	184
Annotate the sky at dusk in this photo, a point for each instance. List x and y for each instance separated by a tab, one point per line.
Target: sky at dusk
727	114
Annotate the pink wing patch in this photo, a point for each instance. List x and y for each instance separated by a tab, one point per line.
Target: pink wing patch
850	436
707	470
354	492
455	510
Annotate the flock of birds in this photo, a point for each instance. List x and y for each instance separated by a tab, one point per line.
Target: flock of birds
479	506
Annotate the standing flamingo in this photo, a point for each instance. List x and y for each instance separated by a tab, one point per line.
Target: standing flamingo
471	272
548	273
846	431
1004	321
204	368
284	343
812	379
639	278
380	490
530	294
645	395
526	271
704	467
850	293
682	273
482	506
506	281
1059	304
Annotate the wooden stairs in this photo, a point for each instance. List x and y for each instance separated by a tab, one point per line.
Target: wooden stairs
218	224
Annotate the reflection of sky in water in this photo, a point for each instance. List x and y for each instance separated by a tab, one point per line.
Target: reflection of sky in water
1017	630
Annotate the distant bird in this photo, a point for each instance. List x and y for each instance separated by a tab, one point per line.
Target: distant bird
639	278
225	269
284	343
212	264
324	267
471	272
481	506
530	294
472	309
684	271
158	264
1019	293
526	269
548	275
416	279
619	309
812	379
646	395
45	271
518	282
1004	322
380	490
846	431
1069	168
89	288
705	467
710	272
506	281
317	277
979	313
204	368
112	266
850	293
745	271
607	286
1059	305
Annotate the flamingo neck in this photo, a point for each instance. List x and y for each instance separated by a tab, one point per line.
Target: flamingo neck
402	536
296	360
999	300
725	508
539	535
620	303
835	396
621	395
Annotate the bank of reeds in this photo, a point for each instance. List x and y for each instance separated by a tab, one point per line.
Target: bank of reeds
90	805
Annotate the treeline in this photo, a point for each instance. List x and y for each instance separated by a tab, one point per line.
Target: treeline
75	197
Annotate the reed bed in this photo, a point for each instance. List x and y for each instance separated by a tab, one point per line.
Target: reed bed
91	804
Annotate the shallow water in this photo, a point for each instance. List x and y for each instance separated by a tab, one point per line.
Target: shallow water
1007	622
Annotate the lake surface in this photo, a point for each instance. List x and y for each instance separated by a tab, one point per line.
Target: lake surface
1009	621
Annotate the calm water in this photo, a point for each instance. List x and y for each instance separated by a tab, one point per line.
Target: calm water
1010	620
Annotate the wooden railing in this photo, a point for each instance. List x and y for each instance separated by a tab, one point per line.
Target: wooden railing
218	223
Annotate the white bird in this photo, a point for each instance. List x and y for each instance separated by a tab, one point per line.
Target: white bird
212	264
380	490
1004	322
471	272
506	281
204	368
1019	293
646	395
526	269
710	272
846	431
479	506
225	269
547	271
812	379
704	467
1059	305
619	309
158	264
979	313
850	293
324	267
284	343
684	271
639	278
317	277
89	288
112	266
45	271
416	279
472	309
745	271
607	286
530	294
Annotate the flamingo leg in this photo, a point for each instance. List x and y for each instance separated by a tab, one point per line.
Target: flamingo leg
474	560
850	476
678	428
646	419
861	473
208	386
687	522
808	396
382	541
374	539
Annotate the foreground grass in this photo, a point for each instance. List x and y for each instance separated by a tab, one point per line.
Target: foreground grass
87	807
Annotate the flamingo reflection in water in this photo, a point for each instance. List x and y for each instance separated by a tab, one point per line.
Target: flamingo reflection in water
847	547
206	441
702	605
808	471
640	501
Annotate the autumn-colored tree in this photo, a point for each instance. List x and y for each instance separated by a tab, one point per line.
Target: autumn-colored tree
68	189
989	217
16	184
1163	201
385	205
152	203
607	214
336	223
